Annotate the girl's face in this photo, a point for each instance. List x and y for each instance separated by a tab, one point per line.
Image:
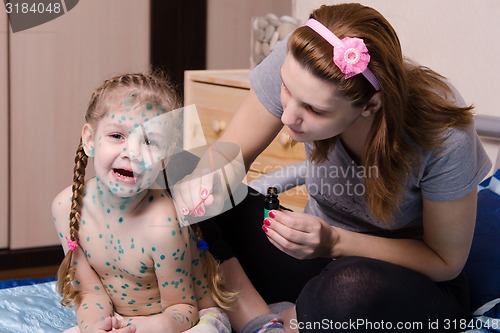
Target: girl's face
128	145
312	108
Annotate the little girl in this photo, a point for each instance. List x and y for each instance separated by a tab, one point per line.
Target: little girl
129	267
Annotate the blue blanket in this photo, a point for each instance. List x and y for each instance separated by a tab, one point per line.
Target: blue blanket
34	308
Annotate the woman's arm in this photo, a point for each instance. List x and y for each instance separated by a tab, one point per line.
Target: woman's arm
252	129
443	251
441	254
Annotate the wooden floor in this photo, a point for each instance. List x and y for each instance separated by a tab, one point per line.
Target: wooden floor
34	272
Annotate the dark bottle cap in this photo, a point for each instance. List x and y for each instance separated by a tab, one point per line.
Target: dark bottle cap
272	190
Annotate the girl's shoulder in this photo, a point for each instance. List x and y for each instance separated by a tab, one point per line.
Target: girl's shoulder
159	222
62	202
159	209
61	207
158	201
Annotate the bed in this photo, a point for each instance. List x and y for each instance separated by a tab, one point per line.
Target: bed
33	305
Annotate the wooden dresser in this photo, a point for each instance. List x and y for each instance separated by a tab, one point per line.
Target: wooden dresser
217	94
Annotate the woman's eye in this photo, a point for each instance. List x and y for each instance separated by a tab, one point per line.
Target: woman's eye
313	110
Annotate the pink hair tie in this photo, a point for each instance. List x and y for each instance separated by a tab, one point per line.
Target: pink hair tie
349	54
72	244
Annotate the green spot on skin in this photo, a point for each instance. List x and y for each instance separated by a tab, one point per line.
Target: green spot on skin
120	220
162	257
153	249
97	288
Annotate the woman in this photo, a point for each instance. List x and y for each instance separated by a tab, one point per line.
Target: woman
403	138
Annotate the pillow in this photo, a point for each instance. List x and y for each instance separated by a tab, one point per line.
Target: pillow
483	265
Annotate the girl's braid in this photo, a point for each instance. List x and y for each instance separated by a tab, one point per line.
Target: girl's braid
66	272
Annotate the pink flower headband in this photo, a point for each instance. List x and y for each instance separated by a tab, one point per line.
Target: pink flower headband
349	54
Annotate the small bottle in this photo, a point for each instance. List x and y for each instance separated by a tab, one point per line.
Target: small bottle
271	201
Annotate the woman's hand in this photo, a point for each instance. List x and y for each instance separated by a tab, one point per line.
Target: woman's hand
195	193
216	178
300	235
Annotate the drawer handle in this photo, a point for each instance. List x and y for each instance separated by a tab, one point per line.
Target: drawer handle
285	140
218	126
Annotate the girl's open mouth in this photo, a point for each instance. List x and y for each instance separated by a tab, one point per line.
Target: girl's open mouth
124	175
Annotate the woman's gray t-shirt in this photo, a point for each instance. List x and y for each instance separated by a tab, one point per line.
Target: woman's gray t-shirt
336	186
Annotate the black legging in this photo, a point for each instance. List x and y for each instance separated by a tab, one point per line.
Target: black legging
331	295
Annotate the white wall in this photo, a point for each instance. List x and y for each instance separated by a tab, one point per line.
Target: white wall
228	29
458	38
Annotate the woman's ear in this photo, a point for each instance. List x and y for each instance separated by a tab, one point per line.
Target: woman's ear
374	104
88	140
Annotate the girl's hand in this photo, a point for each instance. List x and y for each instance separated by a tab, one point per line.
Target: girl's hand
300	235
111	324
145	324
